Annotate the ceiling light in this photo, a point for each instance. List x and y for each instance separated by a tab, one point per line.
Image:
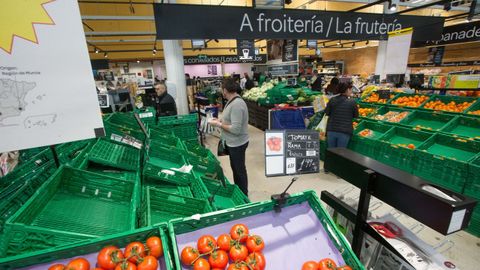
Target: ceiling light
323	44
261	49
105	55
393	7
447	6
368	41
138	61
338	42
96	50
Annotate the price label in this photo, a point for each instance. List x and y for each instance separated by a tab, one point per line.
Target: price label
311	153
291	165
115	137
147	114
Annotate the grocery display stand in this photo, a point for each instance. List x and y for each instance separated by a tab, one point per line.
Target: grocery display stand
392	186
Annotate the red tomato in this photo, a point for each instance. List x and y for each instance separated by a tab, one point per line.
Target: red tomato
206	243
218	259
345	267
109	257
189	255
57	267
224	242
237	266
148	263
134	251
255	243
238	253
154	246
126	265
239	232
78	264
327	264
201	264
310	265
256	261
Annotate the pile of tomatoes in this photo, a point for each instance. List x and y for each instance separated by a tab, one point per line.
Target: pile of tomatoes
475	112
325	264
410	101
452	106
242	250
135	256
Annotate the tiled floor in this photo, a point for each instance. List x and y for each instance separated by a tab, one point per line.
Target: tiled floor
465	250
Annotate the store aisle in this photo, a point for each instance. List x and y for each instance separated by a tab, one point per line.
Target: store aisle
461	248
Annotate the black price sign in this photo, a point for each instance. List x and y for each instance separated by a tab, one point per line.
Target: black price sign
383	94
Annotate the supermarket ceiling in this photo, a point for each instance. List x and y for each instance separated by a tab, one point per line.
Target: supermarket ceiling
125	29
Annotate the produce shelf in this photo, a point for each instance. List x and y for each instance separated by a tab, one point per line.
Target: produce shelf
373	98
448	99
390	114
368	145
88	249
429	121
474	110
367	109
302	230
468	127
409	100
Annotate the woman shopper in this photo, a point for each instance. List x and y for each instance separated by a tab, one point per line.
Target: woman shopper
341	110
234	126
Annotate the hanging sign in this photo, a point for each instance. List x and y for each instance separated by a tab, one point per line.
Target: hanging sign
283	69
227	59
290	50
246	49
290	152
435	54
458	33
447	64
195	21
45	100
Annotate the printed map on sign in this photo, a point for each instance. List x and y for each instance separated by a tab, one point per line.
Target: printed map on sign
44	99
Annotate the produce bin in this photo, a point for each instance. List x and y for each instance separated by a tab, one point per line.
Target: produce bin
302	231
165	157
125	120
463	126
117	133
157	175
109	171
374	98
147	115
395	147
447	99
72	205
183	126
161	207
73	153
199	151
208	168
390	114
116	155
88	249
164	140
427	120
368	145
225	197
366	109
474	110
409	100
444	160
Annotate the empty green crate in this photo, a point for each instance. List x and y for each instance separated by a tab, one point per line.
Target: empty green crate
165	157
287	233
166	141
199	189
172	189
162	206
117	133
126	120
72	205
473	110
147	115
444	160
464	126
393	147
428	120
115	155
89	248
178	120
472	188
380	114
154	174
73	153
200	151
208	168
26	154
368	145
183	126
131	176
225	197
447	99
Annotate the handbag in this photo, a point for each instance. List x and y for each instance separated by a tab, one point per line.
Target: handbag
222	148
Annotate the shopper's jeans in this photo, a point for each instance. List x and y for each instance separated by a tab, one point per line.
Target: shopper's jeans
237	162
337	139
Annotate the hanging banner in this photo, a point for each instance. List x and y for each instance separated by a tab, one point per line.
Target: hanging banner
447	64
398	49
459	33
227	59
174	21
246	49
45	100
283	69
290	50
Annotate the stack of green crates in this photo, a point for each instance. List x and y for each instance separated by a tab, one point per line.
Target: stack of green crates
368	145
125	120
183	126
444	160
472	189
166	158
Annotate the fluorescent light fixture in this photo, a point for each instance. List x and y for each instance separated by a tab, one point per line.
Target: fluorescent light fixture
393	7
96	50
105	55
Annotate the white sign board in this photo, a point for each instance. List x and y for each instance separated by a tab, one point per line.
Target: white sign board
47	91
398	49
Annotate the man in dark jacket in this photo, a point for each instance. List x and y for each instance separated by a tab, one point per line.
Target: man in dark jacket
164	102
341	111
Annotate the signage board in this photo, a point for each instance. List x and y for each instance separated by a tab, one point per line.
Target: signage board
459	33
283	69
447	64
290	50
227	59
246	49
435	54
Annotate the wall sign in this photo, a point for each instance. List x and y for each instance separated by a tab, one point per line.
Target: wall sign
290	152
454	34
195	21
103	100
435	54
246	49
283	69
290	50
447	64
227	59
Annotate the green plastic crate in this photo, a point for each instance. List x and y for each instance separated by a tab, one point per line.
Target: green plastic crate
224	197
27	154
447	99
369	106
444	160
475	107
427	120
208	168
131	176
390	102
392	147
147	115
153	174
364	99
73	153
178	120
368	145
166	141
116	132
72	205
162	206
183	126
126	120
381	112
25	167
462	126
165	157
172	189
199	189
116	155
472	188
259	216
89	249
199	151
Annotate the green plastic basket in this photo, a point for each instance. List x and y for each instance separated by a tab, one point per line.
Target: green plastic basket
383	111
472	188
165	157
393	147
462	126
109	171
204	225
368	106
474	108
126	120
205	167
447	99
162	206
153	174
73	204
428	120
224	197
166	141
368	145
116	155
89	249
116	132
199	151
401	95
73	153
183	126
444	160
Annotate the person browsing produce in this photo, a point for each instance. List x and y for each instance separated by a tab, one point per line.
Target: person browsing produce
234	126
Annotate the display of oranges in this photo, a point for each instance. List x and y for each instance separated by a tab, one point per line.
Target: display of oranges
477	112
364	112
375	98
452	106
410	101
